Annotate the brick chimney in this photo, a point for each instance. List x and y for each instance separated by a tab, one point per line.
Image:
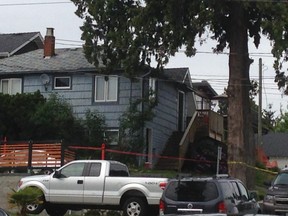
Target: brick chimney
49	43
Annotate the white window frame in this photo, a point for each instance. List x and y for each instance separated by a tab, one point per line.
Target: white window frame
62	87
106	89
114	142
152	87
10	85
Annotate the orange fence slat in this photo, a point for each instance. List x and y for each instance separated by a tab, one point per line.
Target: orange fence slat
43	155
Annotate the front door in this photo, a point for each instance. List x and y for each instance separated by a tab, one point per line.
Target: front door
69	186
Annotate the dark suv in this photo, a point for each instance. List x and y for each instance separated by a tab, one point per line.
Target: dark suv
276	198
219	194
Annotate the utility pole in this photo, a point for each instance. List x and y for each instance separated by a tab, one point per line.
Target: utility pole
260	105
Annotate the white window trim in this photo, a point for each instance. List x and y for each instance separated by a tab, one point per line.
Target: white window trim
65	87
113	130
105	90
10	83
152	87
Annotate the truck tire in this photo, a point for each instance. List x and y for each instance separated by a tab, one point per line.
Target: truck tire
35	208
134	206
55	210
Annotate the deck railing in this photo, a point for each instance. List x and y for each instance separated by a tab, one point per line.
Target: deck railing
215	128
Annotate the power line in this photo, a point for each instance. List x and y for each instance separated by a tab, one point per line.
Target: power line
33	3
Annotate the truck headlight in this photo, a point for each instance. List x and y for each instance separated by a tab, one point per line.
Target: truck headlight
269	199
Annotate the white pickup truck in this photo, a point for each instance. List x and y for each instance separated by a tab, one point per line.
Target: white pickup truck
95	184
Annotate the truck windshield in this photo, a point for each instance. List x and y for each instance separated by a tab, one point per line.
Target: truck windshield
281	179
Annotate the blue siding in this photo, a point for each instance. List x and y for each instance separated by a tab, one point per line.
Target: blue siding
80	96
165	120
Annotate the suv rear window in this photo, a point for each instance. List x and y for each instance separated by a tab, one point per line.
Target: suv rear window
193	191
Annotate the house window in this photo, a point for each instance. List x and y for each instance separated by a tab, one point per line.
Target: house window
112	136
62	82
152	88
106	88
11	86
202	103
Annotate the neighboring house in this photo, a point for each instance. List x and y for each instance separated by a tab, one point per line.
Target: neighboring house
68	73
197	148
18	43
275	146
204	95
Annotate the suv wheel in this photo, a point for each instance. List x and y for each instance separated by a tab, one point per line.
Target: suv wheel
134	207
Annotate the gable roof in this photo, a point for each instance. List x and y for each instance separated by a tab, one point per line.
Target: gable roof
204	89
275	144
180	75
17	43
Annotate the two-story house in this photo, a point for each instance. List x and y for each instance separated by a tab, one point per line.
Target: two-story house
68	73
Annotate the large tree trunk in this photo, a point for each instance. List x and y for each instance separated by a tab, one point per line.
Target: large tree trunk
241	151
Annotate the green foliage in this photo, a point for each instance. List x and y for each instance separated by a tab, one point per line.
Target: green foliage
158	29
132	123
22	198
16	112
51	120
94	127
32	117
282	123
268	119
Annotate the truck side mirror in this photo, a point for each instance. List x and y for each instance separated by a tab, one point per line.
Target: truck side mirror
57	174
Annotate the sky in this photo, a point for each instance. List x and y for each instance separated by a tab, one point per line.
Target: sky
37	15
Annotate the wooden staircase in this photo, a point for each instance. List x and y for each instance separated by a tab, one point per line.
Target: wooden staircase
202	124
168	159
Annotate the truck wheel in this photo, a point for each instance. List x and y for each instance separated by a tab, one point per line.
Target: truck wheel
35	208
55	210
134	207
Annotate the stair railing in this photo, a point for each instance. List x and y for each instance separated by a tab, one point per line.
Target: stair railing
187	138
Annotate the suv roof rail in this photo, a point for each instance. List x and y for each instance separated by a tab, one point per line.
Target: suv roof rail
182	175
221	176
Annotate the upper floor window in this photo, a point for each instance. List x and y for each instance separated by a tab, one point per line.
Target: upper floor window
202	103
62	82
106	88
152	88
11	86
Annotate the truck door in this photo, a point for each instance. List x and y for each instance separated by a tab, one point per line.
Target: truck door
94	184
67	186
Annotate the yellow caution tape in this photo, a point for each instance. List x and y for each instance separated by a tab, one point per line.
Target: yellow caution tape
252	167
